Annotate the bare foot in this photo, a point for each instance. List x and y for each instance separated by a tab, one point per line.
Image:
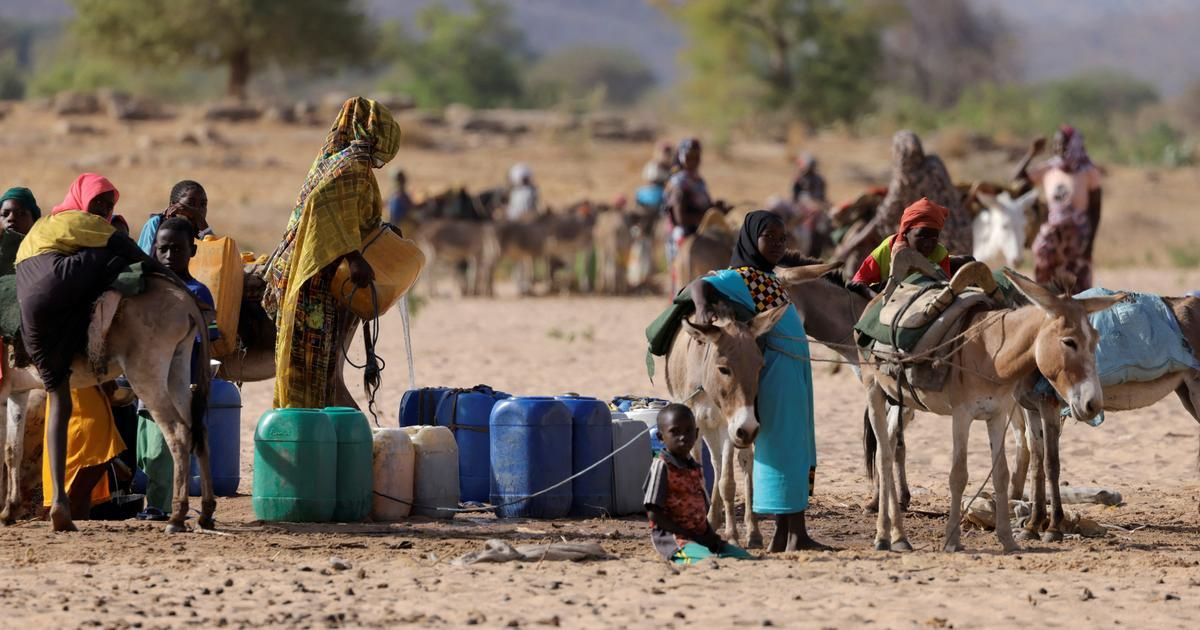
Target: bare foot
60	518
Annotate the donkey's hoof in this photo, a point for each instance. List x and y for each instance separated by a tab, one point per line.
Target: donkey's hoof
176	528
1052	536
883	545
1012	547
755	541
872	507
901	545
206	522
952	547
7	517
1026	534
905	500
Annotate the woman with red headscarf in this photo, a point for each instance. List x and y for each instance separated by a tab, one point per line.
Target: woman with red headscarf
920	228
65	262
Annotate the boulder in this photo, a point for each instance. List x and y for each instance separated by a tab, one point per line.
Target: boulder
233	111
76	128
73	103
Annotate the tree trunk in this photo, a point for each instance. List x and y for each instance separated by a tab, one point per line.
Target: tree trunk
239	73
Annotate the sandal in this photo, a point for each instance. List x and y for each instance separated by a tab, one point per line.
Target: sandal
151	514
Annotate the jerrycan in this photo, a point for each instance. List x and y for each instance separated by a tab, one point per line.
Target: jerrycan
295	466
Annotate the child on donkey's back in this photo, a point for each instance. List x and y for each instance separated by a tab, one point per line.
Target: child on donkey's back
675	499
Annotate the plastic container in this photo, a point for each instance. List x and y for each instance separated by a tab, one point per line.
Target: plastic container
531	451
355	477
224	426
218	265
418	407
397	263
466	414
591	442
630	466
393	466
295	466
435	474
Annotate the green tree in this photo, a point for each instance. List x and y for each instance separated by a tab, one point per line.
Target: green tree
813	60
577	73
240	35
472	57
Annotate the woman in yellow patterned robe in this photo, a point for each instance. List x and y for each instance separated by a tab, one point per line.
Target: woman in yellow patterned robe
338	206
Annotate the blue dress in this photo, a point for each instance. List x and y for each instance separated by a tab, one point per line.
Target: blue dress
785	451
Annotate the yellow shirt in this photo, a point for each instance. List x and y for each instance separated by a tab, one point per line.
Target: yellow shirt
65	232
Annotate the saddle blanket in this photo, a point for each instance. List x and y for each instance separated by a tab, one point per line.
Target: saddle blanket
1140	340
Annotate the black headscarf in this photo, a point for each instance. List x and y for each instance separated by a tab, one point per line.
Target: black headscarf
745	250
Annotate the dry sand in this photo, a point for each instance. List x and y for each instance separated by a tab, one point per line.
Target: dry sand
267	574
131	574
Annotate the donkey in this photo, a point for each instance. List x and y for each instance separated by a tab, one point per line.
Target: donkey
1000	228
998	351
1042	417
706	250
149	341
715	369
612	237
458	241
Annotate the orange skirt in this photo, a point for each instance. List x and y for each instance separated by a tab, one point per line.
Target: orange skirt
92	440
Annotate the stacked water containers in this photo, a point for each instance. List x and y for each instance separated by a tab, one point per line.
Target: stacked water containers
312	465
223	422
591	442
530	452
467	413
629	466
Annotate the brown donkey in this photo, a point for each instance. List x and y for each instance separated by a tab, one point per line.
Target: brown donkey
1039	429
998	352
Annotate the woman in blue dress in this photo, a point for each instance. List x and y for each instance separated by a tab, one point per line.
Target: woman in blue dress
785	453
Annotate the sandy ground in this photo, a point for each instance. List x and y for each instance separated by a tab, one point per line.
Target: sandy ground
255	574
117	574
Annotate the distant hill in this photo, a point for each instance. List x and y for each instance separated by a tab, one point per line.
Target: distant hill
1153	39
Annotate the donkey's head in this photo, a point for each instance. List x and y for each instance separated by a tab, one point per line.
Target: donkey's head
731	366
1000	228
1065	347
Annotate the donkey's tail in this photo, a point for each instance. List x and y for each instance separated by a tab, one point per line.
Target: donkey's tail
870	444
202	375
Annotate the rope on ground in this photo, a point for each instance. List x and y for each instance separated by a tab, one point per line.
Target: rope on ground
491	508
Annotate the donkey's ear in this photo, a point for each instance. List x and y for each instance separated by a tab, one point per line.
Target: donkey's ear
702	333
1097	304
764	322
799	275
1028	199
1039	295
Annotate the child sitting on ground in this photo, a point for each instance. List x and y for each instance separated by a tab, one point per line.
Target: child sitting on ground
174	247
675	499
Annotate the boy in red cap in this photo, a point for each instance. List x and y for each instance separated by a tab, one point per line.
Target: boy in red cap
920	228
